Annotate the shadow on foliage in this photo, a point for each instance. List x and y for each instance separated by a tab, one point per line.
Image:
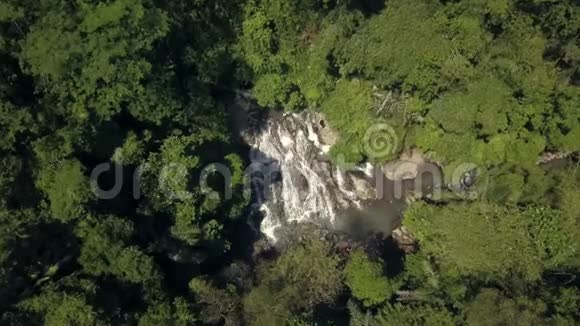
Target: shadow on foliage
394	257
367	7
42	253
114	295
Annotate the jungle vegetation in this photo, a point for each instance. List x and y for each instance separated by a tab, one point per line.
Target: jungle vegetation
141	84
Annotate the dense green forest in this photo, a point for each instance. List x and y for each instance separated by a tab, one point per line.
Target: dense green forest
141	84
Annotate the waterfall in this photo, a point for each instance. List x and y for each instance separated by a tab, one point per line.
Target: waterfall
295	179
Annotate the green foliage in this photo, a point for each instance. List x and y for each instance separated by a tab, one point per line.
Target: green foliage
186	225
491	83
399	314
568	198
486	96
366	280
237	166
50	150
133	149
567	302
166	175
66	187
562	129
10	166
501	242
217	304
199	211
62	309
304	276
286	45
15	122
14	226
415	44
10	12
103	250
491	308
348	109
177	313
483	107
555	235
92	59
66	303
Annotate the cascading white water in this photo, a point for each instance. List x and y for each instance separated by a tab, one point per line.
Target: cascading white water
298	182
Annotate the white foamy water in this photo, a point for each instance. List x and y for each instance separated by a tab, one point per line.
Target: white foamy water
299	182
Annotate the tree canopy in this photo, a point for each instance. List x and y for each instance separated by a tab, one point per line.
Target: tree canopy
133	98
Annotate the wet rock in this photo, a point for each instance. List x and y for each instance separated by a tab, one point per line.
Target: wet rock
263	249
328	136
405	240
548	157
407	167
239	274
363	187
468	180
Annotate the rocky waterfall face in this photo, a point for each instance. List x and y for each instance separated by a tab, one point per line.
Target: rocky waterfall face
296	181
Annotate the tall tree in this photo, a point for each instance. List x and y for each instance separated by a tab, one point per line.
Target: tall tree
304	276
